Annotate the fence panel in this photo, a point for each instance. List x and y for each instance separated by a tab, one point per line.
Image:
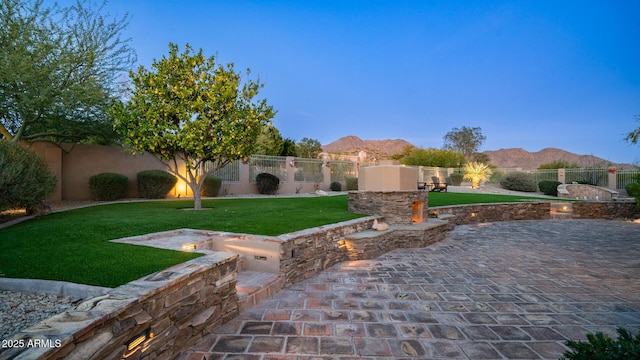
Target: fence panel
591	176
274	165
340	170
308	170
545	175
229	173
626	177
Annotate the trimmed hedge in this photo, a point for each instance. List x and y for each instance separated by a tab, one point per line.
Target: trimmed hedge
25	179
352	183
519	181
108	186
549	187
335	186
267	183
211	186
155	184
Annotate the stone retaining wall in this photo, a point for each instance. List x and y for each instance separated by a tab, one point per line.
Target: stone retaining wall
395	206
479	213
609	210
177	306
586	192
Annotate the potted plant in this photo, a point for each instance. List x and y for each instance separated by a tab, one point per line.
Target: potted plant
476	172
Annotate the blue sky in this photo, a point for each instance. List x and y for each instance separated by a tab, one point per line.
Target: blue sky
530	74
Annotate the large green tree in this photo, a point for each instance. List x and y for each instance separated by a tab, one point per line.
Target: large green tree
59	71
190	109
308	148
466	140
432	157
269	142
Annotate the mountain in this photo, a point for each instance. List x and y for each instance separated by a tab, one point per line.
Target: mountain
380	149
503	158
517	157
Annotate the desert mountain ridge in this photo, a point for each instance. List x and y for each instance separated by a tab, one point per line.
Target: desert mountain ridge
502	158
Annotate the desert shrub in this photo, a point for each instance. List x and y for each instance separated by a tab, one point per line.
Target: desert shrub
497	176
211	186
352	183
549	187
335	186
267	183
600	346
456	179
519	181
108	186
25	179
633	189
155	184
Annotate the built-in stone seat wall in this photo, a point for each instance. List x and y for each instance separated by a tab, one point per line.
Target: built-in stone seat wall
586	192
182	304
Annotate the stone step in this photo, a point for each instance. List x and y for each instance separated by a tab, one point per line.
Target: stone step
254	286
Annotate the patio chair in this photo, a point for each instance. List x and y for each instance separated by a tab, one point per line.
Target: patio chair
437	185
422	185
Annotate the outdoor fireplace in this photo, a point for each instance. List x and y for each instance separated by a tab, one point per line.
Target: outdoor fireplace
417	212
390	191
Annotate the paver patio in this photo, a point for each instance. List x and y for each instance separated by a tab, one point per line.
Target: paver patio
508	290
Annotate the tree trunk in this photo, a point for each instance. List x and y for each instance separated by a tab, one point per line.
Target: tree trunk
197	198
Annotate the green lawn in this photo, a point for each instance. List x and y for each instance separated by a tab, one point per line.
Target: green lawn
73	245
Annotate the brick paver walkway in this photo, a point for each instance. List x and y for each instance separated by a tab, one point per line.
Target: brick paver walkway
511	290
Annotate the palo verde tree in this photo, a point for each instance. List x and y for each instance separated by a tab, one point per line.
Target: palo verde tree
59	71
190	110
634	135
466	141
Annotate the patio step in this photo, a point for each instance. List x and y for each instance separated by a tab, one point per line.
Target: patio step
254	286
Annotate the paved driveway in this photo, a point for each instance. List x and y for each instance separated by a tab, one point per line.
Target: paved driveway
510	290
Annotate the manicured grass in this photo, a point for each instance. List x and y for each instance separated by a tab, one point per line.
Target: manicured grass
74	245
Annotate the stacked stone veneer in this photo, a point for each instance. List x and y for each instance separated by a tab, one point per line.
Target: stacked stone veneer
179	306
395	206
182	304
586	192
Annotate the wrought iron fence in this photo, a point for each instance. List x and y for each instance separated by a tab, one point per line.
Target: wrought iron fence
229	173
274	165
308	170
341	170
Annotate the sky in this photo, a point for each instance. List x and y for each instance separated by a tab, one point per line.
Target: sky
531	74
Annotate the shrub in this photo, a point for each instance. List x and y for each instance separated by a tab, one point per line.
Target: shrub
267	183
25	178
211	186
549	187
456	179
352	183
633	189
519	181
335	186
155	184
108	186
600	346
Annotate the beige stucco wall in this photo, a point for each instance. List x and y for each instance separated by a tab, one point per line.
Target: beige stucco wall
388	178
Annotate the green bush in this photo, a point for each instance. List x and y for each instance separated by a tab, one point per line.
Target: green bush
335	186
25	179
352	183
497	177
456	179
155	184
549	187
211	186
108	186
633	189
600	346
519	181
267	183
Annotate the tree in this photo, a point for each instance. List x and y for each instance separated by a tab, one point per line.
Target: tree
466	141
289	148
190	109
308	148
59	71
558	164
269	142
634	135
432	157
